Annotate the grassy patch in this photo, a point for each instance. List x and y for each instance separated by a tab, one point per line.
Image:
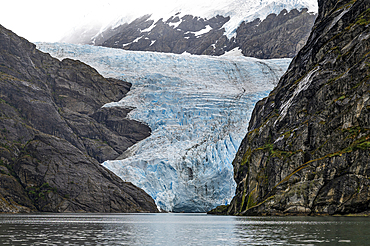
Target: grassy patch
341	98
246	157
364	18
222	209
36	193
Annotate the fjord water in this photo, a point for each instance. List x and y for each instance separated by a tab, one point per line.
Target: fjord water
180	229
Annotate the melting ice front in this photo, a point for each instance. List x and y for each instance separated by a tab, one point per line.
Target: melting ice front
198	108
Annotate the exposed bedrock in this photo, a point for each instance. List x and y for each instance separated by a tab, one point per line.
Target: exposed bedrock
54	133
307	149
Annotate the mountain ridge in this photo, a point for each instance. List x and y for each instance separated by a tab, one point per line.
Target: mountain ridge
269	29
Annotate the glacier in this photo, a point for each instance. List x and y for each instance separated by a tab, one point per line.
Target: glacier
198	108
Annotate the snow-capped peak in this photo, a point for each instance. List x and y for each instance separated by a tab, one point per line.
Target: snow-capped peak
237	10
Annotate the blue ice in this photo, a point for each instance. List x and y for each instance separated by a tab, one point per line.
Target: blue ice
198	108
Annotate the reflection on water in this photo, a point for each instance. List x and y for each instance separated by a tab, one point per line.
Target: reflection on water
180	229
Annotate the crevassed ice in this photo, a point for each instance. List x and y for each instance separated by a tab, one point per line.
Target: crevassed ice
198	108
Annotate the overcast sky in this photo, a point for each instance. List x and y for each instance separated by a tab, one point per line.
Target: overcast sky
49	21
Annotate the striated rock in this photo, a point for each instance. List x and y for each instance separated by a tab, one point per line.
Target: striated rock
13	198
308	147
54	133
60	178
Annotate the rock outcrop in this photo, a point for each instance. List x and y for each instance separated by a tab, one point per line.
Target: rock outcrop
308	146
54	132
189	34
277	36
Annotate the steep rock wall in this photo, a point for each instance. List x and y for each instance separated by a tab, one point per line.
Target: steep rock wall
307	149
277	36
53	132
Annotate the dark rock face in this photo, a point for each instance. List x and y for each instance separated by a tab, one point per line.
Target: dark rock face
308	147
54	133
174	35
277	36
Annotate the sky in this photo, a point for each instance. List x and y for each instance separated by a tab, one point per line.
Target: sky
49	21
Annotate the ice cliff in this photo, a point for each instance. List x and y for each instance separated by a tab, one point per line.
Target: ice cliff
198	108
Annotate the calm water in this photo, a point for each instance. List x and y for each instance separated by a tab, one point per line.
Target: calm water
180	229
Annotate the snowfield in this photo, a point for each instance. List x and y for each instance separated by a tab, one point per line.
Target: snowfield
198	108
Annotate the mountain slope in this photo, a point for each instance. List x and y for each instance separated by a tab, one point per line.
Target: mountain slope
52	125
177	35
307	150
277	36
262	29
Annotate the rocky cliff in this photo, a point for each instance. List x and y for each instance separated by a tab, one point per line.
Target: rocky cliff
54	132
308	146
277	36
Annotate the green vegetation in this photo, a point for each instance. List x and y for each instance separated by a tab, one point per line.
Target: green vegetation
251	202
243	198
222	209
279	153
287	134
363	146
364	19
36	193
341	98
5	145
347	5
246	157
283	154
9	166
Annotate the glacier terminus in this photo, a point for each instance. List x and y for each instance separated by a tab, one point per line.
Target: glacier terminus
198	108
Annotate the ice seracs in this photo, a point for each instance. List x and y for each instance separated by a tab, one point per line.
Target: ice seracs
198	108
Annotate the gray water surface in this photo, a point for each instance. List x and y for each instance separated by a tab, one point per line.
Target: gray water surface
180	229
